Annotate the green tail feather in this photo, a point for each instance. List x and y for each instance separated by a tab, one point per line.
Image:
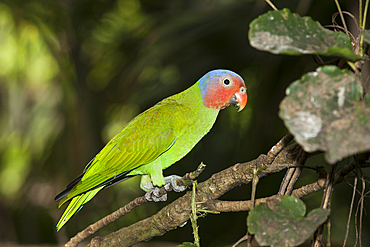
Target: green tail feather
75	205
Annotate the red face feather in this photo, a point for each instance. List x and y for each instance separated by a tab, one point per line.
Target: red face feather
221	88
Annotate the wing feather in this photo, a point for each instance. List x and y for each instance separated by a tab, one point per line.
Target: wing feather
140	142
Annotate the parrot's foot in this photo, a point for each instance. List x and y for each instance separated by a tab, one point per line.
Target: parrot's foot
154	195
170	184
172	180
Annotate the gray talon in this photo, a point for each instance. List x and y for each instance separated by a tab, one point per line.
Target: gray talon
155	192
147	186
172	180
168	187
148	196
153	195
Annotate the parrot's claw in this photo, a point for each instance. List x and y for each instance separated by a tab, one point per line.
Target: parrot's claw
172	180
147	186
154	192
155	196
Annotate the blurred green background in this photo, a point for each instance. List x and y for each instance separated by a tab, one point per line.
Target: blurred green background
72	73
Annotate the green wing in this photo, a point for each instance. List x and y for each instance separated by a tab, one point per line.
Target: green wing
75	205
140	142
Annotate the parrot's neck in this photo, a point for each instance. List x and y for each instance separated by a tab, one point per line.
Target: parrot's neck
205	117
193	98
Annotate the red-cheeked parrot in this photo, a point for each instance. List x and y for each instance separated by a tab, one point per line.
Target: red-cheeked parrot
156	139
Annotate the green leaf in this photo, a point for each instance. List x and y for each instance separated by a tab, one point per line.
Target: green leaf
281	32
367	99
281	222
324	111
366	34
187	244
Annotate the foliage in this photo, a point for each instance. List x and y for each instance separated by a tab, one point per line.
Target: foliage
282	32
281	222
326	110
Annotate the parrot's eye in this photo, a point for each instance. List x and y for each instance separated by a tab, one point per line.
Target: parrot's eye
226	82
242	90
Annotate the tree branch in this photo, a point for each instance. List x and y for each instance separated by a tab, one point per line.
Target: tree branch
239	206
178	212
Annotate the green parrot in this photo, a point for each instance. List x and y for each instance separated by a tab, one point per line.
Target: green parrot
156	139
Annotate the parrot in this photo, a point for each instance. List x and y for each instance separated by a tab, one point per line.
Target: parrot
156	139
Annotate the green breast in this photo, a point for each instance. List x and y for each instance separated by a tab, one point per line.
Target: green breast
191	120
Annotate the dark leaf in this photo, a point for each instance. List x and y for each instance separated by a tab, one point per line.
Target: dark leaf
281	32
366	34
281	222
187	244
324	111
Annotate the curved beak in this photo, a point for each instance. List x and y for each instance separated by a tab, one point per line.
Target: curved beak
239	99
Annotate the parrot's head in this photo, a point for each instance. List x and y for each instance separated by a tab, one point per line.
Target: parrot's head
221	88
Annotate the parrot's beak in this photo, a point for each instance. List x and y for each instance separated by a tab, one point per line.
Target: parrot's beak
239	99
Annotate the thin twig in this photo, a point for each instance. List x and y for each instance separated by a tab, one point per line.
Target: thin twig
363	25
341	16
242	239
254	186
325	203
242	206
362	199
194	216
365	14
284	183
356	228
328	225
255	181
336	25
292	174
360	205
271	4
360	12
350	210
